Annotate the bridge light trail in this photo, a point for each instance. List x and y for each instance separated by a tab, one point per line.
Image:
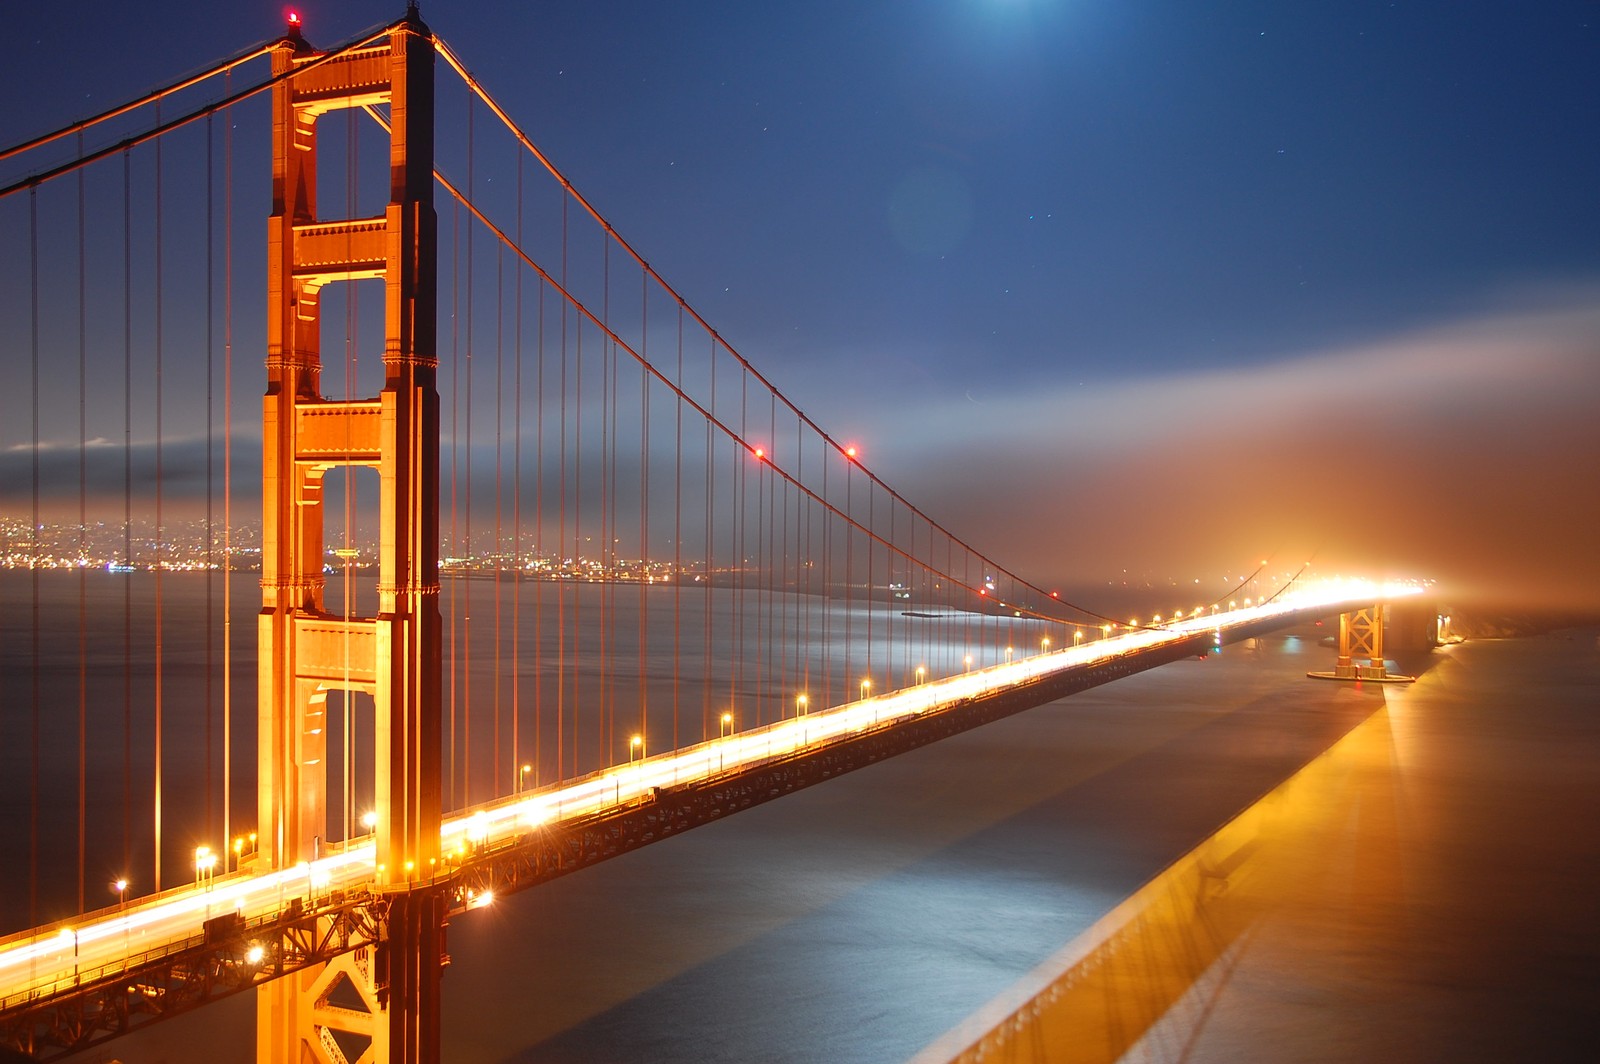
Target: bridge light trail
99	944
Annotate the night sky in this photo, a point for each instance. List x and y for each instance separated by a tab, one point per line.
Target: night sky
1150	286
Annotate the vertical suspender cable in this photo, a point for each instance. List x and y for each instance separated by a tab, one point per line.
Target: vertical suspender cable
644	503
603	730
499	555
127	512
538	541
561	529
826	606
160	529
466	506
210	439
540	551
577	537
227	474
83	545
736	487
606	735
516	502
452	799
33	560
872	529
709	609
677	545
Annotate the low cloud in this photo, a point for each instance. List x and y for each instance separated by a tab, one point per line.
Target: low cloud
1469	453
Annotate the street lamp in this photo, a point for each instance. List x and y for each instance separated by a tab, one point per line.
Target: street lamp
866	685
120	885
968	662
1077	637
1044	644
727	726
205	865
920	672
369	819
1009	651
800	702
1105	631
636	746
238	851
522	776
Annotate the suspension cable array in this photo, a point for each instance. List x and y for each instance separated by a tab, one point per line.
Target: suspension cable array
647	543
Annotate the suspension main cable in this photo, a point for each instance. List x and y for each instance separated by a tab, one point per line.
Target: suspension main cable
726	429
133	105
516	131
163	128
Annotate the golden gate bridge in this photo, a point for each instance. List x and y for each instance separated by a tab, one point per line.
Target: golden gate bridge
542	568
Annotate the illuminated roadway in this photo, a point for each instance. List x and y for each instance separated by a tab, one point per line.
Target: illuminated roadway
55	958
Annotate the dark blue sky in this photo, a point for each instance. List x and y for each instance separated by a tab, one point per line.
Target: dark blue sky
1087	231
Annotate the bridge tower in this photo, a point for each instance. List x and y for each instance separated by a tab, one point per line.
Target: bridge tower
304	651
1361	637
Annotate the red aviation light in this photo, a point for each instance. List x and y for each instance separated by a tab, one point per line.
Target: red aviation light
850	452
760	454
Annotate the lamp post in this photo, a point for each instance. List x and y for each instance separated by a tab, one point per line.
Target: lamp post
522	776
800	702
921	671
121	887
1044	644
1077	637
1009	651
636	748
205	866
968	662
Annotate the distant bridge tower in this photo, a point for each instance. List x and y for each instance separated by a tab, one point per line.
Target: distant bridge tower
305	651
1361	649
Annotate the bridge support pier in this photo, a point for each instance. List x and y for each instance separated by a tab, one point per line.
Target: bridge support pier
378	1004
1361	649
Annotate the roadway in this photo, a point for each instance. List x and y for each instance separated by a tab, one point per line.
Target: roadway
55	959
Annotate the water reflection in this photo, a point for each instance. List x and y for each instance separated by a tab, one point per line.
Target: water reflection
1146	974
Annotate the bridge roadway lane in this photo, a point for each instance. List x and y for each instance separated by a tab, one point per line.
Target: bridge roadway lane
53	959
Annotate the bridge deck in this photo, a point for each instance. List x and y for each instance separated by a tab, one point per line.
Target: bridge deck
67	985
